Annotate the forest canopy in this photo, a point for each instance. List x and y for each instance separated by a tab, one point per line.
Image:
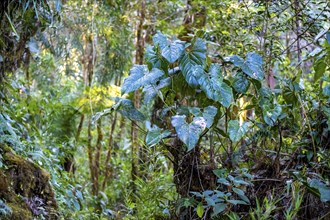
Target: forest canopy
175	109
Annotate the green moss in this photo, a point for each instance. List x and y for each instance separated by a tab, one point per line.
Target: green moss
19	179
19	212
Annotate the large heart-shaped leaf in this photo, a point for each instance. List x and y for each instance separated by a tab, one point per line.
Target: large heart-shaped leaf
218	208
140	76
208	114
189	134
173	51
319	66
160	39
241	83
151	91
192	61
252	66
271	114
194	74
154	59
127	109
324	190
236	132
214	86
155	135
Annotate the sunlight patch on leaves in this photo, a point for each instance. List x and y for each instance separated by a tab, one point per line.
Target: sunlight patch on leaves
200	210
207	113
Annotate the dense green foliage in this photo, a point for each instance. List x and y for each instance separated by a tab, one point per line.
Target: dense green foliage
169	109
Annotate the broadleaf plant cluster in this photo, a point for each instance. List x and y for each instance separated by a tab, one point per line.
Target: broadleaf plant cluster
169	59
176	70
189	96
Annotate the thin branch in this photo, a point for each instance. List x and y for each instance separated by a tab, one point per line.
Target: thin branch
273	180
191	174
309	26
199	178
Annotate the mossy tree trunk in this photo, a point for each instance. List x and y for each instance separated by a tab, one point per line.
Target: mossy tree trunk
134	129
24	186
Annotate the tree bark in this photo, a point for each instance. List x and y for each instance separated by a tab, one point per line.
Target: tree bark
82	118
297	21
90	150
97	155
189	174
134	129
110	147
88	61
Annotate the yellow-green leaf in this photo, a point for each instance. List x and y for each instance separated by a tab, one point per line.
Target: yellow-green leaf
200	210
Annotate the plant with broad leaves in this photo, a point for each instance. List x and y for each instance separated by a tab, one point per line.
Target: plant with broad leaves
191	99
214	86
5	210
189	133
231	191
237	131
155	135
322	57
252	66
205	79
140	76
316	186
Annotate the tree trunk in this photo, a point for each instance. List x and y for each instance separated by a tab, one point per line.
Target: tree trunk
297	21
82	118
189	175
90	150
110	147
97	155
88	61
139	60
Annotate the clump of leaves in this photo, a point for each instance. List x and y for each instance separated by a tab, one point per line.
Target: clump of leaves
230	191
36	205
4	209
